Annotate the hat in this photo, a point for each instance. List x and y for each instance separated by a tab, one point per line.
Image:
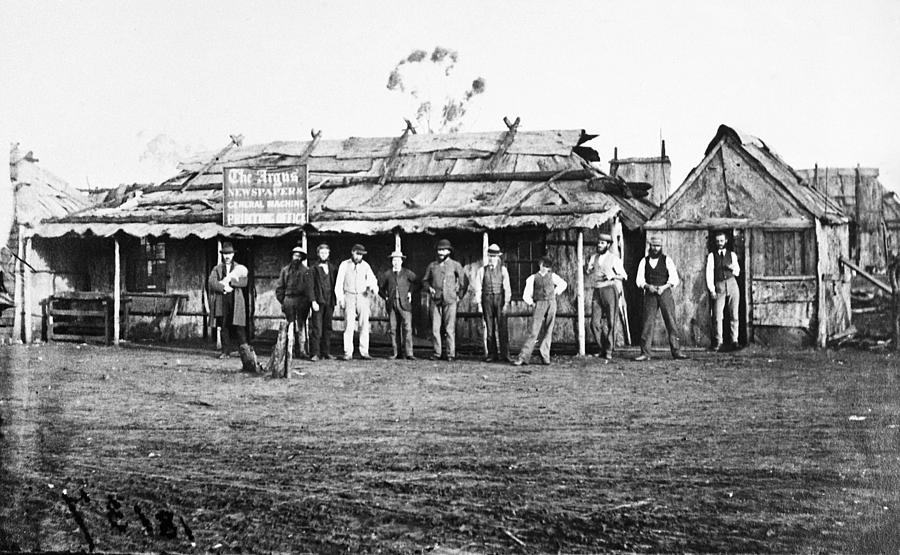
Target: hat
227	248
397	254
300	250
358	248
323	246
444	244
494	249
656	241
605	237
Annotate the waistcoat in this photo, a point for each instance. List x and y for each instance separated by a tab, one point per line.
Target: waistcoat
656	276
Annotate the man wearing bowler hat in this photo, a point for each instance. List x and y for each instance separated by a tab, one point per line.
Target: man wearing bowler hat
446	282
396	287
492	293
657	275
605	274
322	274
227	285
354	287
294	290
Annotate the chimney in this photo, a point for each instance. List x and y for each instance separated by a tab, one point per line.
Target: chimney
657	171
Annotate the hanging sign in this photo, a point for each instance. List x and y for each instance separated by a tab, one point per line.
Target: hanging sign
265	196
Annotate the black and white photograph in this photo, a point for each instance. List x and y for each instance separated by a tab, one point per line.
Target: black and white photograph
450	278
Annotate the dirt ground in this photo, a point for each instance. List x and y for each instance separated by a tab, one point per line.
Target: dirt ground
756	451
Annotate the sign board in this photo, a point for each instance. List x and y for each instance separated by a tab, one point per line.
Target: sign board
265	196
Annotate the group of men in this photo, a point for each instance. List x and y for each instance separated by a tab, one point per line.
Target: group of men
313	291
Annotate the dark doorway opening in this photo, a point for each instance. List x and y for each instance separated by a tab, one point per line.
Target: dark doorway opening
736	241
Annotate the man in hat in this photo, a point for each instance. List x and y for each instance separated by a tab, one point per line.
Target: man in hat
227	285
605	274
354	287
294	290
396	287
541	290
447	282
322	274
721	270
492	293
657	275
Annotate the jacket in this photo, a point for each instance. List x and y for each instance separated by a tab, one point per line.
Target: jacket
323	285
393	285
217	293
448	280
293	283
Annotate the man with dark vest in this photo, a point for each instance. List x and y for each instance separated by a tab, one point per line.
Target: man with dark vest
721	270
540	292
492	293
396	287
447	282
605	274
322	275
293	290
227	286
656	276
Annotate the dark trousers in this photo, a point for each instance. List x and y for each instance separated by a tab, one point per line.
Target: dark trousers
232	336
320	331
296	310
402	319
605	306
665	303
495	326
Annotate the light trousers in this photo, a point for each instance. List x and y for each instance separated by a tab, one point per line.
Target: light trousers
356	314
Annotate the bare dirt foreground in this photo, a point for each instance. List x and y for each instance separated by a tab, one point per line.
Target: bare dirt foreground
751	452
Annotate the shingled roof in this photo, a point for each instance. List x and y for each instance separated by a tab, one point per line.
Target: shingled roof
38	193
415	183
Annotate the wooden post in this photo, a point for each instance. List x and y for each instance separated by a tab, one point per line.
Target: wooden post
485	243
397	243
579	296
303	242
19	292
117	292
218	329
821	305
28	286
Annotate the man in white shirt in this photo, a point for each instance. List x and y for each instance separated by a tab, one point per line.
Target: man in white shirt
721	270
605	274
540	292
354	287
656	276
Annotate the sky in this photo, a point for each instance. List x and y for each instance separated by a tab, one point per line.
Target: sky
107	92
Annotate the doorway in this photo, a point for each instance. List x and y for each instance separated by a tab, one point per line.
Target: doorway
736	241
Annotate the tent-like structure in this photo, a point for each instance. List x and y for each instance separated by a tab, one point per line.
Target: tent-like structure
789	238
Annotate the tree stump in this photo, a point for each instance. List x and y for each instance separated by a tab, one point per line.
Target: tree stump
279	365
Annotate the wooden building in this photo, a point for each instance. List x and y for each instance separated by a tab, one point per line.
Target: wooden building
789	239
50	268
862	197
533	193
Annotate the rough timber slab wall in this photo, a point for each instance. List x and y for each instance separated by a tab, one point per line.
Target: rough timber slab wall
837	279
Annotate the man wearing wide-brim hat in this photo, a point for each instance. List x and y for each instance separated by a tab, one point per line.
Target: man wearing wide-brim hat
227	285
492	294
293	290
396	288
354	287
657	276
446	282
605	274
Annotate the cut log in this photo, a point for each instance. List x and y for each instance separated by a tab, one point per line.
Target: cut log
279	365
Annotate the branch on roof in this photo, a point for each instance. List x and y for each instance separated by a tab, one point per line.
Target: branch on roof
505	143
369	214
390	164
236	141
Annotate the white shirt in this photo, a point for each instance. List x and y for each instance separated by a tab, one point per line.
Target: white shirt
641	281
528	293
479	281
711	266
609	267
362	274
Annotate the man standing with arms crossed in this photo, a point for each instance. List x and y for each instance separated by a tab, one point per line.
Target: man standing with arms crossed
721	270
492	293
354	288
446	282
605	273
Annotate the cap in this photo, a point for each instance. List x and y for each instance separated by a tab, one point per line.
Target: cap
358	248
605	237
227	248
656	241
444	244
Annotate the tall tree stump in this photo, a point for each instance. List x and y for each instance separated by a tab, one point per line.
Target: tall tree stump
279	365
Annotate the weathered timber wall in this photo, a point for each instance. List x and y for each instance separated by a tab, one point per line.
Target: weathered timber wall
837	279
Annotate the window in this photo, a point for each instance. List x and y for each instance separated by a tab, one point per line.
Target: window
788	253
523	256
148	270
